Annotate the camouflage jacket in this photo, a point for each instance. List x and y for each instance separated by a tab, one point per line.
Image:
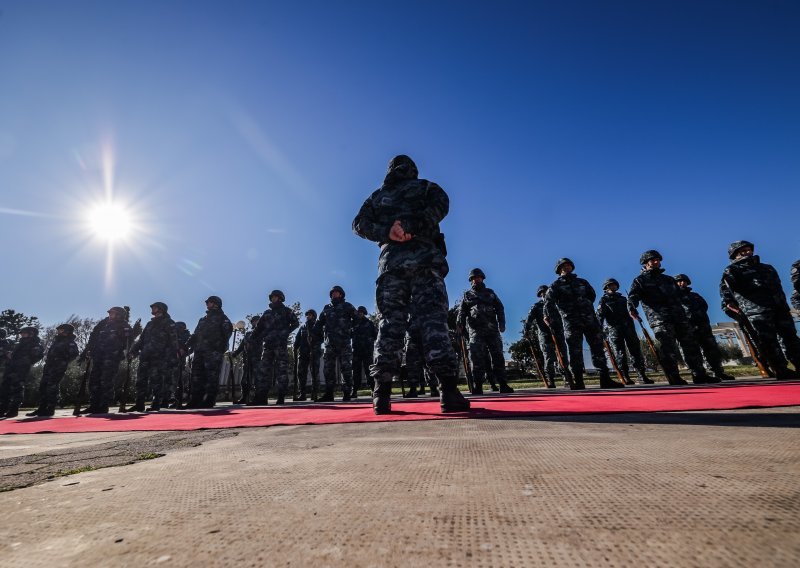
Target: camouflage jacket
183	336
572	297
27	351
420	205
658	294
336	321
364	335
158	341
251	348
275	325
61	351
481	310
796	285
613	310
212	333
753	286
307	338
108	339
695	307
534	323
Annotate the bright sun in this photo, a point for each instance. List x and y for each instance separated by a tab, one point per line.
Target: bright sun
110	222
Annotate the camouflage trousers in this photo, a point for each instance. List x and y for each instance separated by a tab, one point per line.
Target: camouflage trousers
485	355
101	380
574	333
362	360
274	367
309	361
344	355
708	345
416	372
206	367
154	376
249	372
548	351
670	334
48	385
624	340
769	330
12	387
423	292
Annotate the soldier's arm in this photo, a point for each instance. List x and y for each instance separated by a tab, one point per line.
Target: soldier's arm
549	307
294	323
601	311
729	303
795	276
590	293
634	297
72	352
501	313
368	224
438	205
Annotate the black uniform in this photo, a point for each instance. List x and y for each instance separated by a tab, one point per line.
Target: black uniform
157	349
61	352
535	327
106	348
208	343
251	360
336	324
26	352
364	335
273	329
621	331
696	309
308	348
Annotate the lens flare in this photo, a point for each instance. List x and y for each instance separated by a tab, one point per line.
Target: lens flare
110	222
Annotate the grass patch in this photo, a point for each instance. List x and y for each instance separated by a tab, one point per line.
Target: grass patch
149	456
73	471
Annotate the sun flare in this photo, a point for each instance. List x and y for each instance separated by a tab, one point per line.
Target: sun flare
110	222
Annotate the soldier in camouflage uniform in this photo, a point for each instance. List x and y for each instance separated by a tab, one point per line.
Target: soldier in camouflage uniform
661	299
795	275
536	328
482	313
336	324
251	351
273	330
308	350
59	354
6	347
414	363
157	349
106	347
209	342
403	217
183	336
364	334
573	298
752	289
27	351
696	309
621	331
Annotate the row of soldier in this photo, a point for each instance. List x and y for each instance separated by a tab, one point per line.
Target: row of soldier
556	326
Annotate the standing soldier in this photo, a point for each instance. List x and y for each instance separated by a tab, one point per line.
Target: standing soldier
660	298
253	350
6	347
482	313
157	349
415	365
106	347
573	298
27	351
752	289
613	312
336	323
272	331
209	342
536	329
403	217
696	309
796	284
61	352
364	334
183	335
308	350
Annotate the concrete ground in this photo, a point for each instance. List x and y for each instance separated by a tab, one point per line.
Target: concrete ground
661	489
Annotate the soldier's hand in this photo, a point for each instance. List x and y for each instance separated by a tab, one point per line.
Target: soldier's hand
398	234
502	329
547	321
734	308
634	314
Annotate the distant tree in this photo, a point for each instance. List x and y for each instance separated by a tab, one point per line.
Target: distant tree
12	321
730	352
520	352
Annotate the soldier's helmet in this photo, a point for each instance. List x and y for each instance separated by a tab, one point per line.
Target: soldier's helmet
118	310
68	327
281	296
561	262
254	320
214	300
650	255
683	278
541	290
30	329
476	273
160	305
180	324
363	310
336	289
402	167
736	246
311	313
609	282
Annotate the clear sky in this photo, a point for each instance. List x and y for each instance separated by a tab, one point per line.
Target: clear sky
243	137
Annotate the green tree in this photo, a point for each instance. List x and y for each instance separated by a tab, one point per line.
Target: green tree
12	321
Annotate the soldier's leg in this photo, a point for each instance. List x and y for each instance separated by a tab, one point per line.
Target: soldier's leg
414	367
302	375
494	344
93	383
784	326
16	390
213	369
358	367
684	333
261	379
392	297
51	379
594	339
635	349
197	383
770	347
573	336
617	343
4	390
549	356
160	384
281	366
668	352
316	356
144	377
107	382
478	361
710	349
346	368
329	368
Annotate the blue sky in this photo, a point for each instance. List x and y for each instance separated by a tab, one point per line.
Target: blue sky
245	136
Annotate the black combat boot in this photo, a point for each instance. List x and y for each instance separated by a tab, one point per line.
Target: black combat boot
382	398
259	400
676	379
606	382
346	394
477	388
36	412
314	394
643	378
704	378
137	407
495	388
412	393
577	383
722	375
422	390
281	398
244	397
328	396
302	396
48	411
209	401
155	407
628	379
504	387
451	399
12	412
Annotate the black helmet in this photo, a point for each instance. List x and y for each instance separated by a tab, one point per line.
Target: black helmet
541	290
683	278
476	273
336	289
214	300
363	309
562	261
312	312
119	310
160	305
650	255
736	246
180	324
281	295
609	282
30	329
68	327
401	167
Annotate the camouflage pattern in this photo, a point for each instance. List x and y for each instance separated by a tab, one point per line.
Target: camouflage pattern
106	347
61	352
26	352
535	327
364	335
209	342
755	288
795	276
411	273
179	380
416	372
308	348
573	298
696	309
157	349
659	296
252	352
273	330
612	312
482	313
336	323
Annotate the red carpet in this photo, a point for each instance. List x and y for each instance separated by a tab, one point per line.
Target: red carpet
719	397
